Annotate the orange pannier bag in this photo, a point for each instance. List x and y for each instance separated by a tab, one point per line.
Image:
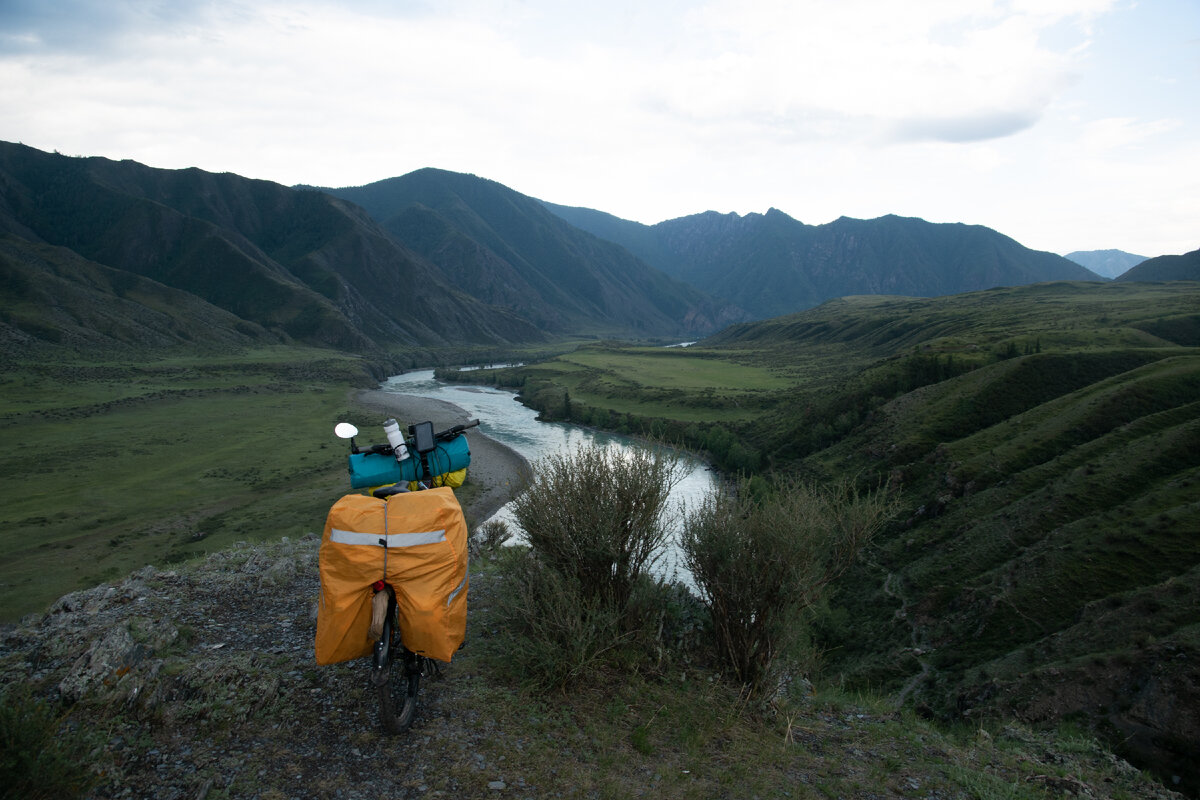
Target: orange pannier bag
417	542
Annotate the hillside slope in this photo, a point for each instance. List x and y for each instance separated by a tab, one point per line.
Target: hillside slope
1047	443
52	297
1166	268
771	264
509	250
301	265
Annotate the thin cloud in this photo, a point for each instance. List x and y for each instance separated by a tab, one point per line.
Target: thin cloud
953	72
90	26
1103	136
964	129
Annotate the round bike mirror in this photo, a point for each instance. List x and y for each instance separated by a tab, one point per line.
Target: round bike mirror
344	430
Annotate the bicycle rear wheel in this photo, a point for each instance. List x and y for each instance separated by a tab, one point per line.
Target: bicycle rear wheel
398	696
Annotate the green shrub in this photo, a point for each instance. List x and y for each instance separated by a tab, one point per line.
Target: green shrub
673	624
36	758
580	597
599	516
760	560
555	633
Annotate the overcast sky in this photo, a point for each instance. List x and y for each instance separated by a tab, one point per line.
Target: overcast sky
1065	124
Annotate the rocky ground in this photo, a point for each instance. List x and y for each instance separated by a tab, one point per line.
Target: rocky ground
205	682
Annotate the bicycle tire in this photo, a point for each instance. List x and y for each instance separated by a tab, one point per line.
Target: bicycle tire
400	693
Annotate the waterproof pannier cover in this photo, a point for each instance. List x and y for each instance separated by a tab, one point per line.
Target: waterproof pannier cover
374	469
417	542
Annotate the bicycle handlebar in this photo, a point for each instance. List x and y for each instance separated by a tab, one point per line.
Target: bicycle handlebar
444	436
451	433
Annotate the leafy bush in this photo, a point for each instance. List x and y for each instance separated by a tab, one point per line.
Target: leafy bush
555	632
580	596
36	759
761	560
599	517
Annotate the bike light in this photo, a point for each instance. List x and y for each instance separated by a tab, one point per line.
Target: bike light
378	586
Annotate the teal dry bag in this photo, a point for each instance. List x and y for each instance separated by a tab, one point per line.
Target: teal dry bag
374	469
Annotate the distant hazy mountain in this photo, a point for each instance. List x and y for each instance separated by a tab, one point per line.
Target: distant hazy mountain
1107	263
508	250
771	264
1166	268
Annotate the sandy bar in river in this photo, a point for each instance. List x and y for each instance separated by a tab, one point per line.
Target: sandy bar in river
495	468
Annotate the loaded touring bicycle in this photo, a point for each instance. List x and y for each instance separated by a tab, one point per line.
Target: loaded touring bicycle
393	563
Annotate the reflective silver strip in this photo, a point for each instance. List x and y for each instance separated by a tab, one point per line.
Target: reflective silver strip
462	585
387	540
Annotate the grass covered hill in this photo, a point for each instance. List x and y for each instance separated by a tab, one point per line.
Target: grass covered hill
1046	442
300	265
53	300
1049	565
508	250
1166	268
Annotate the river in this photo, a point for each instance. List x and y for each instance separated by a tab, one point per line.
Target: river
504	419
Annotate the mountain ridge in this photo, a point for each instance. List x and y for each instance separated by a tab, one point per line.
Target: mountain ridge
515	252
1106	263
304	266
435	257
772	264
1185	267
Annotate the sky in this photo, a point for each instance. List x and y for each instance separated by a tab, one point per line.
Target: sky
1065	124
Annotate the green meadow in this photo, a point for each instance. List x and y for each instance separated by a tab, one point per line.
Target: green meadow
111	466
675	383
